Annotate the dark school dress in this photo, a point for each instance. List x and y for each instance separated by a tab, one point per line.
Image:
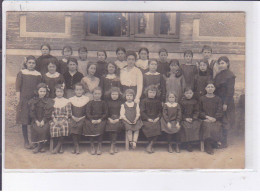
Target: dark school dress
52	80
130	112
171	113
114	113
189	72
151	109
107	82
163	67
26	83
43	61
201	81
158	80
70	81
95	110
78	108
40	110
63	66
101	69
225	86
211	107
190	109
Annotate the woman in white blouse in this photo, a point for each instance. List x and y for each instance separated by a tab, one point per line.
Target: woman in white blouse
131	77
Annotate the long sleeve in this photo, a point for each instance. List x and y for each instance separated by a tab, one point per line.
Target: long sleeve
19	82
139	84
122	112
230	90
137	111
144	116
48	111
159	107
202	113
69	111
178	118
105	111
88	111
163	88
195	111
32	112
85	85
165	113
183	84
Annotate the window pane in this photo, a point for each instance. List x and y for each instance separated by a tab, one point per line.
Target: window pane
168	23
145	23
108	24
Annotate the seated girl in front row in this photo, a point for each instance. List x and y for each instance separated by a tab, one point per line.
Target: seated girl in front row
95	122
78	107
130	114
170	121
114	125
59	126
211	112
151	109
41	108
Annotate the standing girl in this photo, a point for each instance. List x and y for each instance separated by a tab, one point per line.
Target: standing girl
225	86
211	113
78	107
59	126
131	77
41	108
152	77
83	62
95	121
52	78
111	79
151	109
90	82
43	61
121	60
163	65
114	125
101	63
71	77
190	122
188	69
26	83
66	53
201	79
175	83
170	121
130	114
142	62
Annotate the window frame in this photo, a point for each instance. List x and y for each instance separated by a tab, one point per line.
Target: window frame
132	29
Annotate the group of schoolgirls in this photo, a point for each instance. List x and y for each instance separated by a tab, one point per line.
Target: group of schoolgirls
70	97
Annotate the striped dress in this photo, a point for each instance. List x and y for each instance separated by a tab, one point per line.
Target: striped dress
59	126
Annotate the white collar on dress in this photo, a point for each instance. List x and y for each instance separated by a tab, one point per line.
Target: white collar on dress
171	104
54	75
65	60
149	73
79	101
109	76
28	72
60	102
142	63
130	104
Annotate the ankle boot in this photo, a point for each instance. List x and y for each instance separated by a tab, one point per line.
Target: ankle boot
93	151
149	148
170	148
112	148
178	148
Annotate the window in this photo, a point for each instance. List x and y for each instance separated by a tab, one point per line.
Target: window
132	26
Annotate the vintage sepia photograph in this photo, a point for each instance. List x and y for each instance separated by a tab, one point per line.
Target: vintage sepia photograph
124	90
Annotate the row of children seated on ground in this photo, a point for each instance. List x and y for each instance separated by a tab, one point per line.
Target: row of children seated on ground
174	78
186	121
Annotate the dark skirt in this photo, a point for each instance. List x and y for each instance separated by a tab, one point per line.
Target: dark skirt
191	131
171	130
40	134
90	129
22	112
76	127
151	129
133	127
211	130
117	127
